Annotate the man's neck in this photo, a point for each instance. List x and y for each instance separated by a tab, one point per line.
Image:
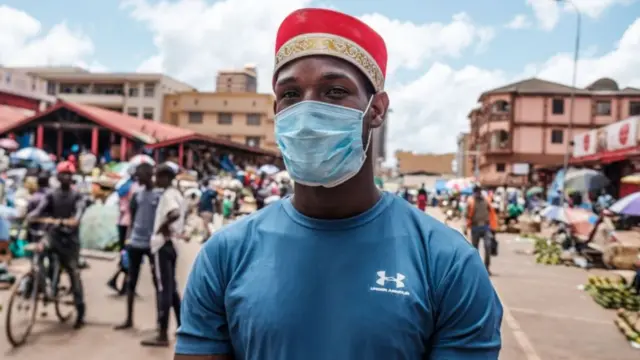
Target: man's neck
352	198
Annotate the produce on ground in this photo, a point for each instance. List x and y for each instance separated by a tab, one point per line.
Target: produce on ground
547	252
629	324
613	293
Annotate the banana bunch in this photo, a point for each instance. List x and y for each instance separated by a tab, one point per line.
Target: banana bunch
547	252
613	294
628	323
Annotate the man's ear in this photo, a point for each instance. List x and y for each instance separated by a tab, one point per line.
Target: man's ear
274	106
379	108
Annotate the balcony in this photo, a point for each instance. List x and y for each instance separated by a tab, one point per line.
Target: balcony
100	100
500	116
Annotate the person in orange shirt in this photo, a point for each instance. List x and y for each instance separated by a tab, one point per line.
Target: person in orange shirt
482	220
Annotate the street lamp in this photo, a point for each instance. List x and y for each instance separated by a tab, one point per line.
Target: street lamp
576	54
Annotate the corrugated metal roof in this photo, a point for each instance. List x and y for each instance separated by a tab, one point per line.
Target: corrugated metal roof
10	115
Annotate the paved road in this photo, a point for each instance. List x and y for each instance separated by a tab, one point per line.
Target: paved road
546	317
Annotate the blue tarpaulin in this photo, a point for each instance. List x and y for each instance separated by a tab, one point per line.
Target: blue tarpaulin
440	185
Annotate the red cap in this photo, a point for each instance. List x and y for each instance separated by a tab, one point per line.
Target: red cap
66	167
307	32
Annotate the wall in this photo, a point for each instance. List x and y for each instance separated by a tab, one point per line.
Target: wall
178	106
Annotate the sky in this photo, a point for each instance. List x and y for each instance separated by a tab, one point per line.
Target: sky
442	54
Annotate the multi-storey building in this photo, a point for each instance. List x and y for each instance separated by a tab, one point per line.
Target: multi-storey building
234	114
24	92
524	125
136	94
238	81
464	166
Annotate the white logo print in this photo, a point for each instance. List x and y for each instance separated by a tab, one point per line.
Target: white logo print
383	278
397	283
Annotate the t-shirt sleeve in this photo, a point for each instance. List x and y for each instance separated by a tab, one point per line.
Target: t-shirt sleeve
204	329
469	312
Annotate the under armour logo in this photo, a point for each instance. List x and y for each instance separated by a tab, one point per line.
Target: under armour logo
383	278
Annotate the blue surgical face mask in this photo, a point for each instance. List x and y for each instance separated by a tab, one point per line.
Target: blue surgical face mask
321	143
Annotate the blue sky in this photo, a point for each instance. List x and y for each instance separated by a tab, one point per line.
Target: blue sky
444	53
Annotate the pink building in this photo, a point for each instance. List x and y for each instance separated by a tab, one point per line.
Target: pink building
521	126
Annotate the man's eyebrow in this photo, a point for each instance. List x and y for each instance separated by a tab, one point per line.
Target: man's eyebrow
335	76
287	80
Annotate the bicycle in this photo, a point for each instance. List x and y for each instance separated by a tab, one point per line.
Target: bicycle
41	284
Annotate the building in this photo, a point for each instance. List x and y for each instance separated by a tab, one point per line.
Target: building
379	146
234	114
238	81
437	164
138	95
464	157
23	92
525	125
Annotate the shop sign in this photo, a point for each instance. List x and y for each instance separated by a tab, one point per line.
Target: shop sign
585	144
622	134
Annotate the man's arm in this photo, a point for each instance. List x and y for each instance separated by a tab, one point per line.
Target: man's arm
40	208
469	313
204	332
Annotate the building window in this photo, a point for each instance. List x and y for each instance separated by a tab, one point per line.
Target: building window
501	106
132	111
149	90
557	136
174	119
134	91
225	119
253	141
603	107
253	119
147	113
51	88
501	167
7	77
557	106
634	108
195	117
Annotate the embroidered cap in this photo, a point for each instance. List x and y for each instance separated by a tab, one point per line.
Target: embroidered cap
307	32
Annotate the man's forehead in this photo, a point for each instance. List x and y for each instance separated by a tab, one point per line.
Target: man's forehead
316	68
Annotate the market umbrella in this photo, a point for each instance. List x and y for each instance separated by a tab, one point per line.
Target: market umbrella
9	144
583	180
628	205
33	154
269	169
536	190
139	159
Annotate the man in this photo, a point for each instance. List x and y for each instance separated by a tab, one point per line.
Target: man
66	205
339	270
482	221
143	206
167	227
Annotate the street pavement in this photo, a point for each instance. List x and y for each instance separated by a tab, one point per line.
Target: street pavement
546	316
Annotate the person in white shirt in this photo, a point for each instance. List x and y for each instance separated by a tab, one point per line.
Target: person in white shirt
167	228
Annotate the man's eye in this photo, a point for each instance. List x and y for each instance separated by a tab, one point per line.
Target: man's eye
289	94
336	92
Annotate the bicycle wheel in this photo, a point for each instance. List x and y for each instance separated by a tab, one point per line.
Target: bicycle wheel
23	300
63	302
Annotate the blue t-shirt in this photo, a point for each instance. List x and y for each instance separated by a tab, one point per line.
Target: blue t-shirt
391	283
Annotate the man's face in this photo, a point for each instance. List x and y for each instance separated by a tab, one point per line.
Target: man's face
64	178
162	180
329	80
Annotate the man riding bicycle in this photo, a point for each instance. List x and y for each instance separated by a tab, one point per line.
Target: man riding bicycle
65	206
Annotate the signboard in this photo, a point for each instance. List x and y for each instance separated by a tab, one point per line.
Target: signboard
585	144
622	134
520	169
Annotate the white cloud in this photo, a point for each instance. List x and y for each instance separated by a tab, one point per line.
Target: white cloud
520	21
192	37
547	12
23	42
